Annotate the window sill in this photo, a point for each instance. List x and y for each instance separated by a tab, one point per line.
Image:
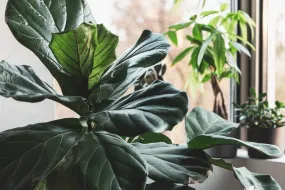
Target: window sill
242	153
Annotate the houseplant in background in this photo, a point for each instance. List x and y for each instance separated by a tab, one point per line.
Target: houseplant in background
265	123
213	47
116	142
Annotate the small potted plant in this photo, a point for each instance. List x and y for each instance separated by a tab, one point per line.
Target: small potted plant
265	123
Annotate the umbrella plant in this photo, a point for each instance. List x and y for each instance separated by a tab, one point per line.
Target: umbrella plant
116	143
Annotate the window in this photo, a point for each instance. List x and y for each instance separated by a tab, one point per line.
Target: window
279	49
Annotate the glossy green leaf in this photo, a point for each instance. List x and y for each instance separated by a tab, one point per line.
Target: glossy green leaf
199	122
173	37
37	150
105	161
22	84
197	32
232	61
155	108
219	51
149	50
233	36
104	54
207	13
182	55
209	140
180	26
34	21
75	49
194	58
206	129
85	52
167	186
241	48
243	28
175	164
204	47
98	159
248	179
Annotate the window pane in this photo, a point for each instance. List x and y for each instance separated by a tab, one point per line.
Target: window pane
280	50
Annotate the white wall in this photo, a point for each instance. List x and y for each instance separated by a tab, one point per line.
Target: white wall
13	113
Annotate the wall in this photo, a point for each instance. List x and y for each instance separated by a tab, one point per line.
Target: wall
13	113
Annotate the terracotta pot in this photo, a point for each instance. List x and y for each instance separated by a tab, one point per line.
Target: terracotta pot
275	136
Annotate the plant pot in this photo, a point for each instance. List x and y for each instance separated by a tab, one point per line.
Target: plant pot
224	151
275	136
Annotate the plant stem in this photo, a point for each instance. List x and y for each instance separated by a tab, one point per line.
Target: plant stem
219	107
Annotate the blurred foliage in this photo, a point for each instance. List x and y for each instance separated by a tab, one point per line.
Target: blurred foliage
214	42
256	112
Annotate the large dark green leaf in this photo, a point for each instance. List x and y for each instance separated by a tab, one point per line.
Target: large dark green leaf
34	21
206	129
207	141
253	181
22	84
167	186
98	160
30	153
155	108
249	180
199	122
149	50
105	161
88	49
175	164
104	54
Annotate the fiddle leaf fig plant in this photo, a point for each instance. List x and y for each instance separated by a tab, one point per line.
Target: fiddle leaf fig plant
110	146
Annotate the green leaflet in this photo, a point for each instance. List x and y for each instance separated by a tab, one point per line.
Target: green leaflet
85	52
97	159
34	21
219	51
175	164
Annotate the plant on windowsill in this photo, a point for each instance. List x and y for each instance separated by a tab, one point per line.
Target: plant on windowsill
116	143
265	124
213	48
